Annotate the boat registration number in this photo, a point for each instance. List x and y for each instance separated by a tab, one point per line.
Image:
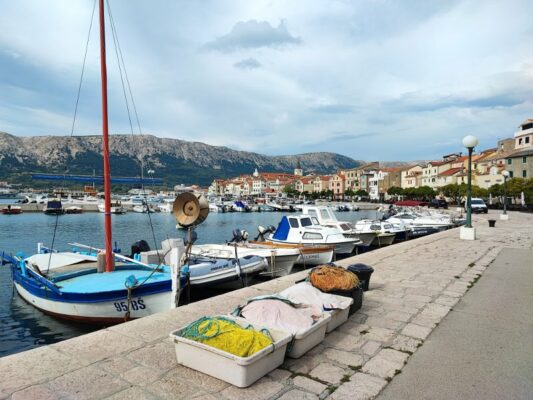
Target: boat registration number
122	306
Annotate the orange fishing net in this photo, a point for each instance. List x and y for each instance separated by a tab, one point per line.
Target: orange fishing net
329	278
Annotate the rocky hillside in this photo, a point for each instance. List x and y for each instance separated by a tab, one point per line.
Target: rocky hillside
177	161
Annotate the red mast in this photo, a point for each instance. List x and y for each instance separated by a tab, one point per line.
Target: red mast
109	265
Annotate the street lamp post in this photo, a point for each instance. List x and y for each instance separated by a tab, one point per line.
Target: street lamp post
505	216
468	232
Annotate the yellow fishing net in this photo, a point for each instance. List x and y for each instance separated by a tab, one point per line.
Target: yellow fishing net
330	277
225	334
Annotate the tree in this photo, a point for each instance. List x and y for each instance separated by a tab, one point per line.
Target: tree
349	192
395	191
361	193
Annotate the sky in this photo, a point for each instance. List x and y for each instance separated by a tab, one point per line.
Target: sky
372	80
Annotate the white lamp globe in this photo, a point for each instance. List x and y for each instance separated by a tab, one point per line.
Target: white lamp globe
505	173
470	141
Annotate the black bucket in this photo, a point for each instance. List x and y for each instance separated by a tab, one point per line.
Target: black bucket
492	223
363	272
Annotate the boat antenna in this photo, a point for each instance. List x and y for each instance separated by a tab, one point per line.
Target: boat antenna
109	267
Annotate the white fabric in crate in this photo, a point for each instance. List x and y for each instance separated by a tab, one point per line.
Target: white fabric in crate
305	293
279	315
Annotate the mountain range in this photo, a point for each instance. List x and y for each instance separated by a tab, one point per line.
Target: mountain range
174	160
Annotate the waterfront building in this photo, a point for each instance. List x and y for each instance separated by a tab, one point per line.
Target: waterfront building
321	183
305	184
337	185
411	176
524	136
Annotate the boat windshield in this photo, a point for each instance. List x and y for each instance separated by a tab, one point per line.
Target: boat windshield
306	222
375	227
294	223
324	214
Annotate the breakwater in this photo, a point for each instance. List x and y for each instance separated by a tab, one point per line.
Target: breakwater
414	286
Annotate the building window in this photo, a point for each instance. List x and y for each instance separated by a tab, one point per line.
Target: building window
509	161
524	159
510	174
524	173
520	141
527	139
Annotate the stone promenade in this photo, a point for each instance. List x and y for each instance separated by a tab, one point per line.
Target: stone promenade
414	286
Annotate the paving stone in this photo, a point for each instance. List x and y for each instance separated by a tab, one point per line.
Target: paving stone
379	334
98	345
160	356
398	316
206	382
87	383
117	365
360	387
406	343
416	331
371	347
141	375
309	384
383	322
296	394
132	393
264	388
386	363
302	365
280	375
172	387
342	341
328	373
447	301
19	371
40	392
344	357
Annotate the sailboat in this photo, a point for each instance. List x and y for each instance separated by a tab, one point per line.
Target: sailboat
94	286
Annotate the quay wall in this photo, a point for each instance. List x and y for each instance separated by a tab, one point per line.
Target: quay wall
414	286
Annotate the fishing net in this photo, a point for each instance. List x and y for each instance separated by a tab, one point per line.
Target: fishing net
330	277
226	335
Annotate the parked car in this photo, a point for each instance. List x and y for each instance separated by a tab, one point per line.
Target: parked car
438	203
478	206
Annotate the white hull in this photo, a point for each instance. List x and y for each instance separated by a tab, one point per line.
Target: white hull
280	265
106	311
384	239
226	274
313	259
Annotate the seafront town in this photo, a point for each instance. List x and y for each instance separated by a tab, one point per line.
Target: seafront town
514	155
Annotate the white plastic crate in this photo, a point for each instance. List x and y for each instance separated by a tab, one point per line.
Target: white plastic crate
338	317
305	341
239	371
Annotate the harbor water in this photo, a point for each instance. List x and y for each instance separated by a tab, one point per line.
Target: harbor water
24	327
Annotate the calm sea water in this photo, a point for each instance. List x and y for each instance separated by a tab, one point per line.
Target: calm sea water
23	327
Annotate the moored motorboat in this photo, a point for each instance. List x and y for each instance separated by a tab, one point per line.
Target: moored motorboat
280	261
11	210
384	235
116	208
54	207
300	229
309	255
73	210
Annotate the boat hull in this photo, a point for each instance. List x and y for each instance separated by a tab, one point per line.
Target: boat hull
101	313
384	239
279	265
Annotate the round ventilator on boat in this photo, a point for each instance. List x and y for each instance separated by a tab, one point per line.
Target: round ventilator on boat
190	209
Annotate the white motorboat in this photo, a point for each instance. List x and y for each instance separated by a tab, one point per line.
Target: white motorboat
166	206
143	208
384	234
326	217
280	261
207	271
301	229
116	208
439	222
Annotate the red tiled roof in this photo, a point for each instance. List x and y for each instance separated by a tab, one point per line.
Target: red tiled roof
451	171
438	163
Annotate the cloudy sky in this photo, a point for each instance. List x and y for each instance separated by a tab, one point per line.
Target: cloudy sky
387	80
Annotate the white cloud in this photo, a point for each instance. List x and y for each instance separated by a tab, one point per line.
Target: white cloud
369	79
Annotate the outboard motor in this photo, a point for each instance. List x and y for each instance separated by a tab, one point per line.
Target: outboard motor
237	236
264	231
194	237
138	247
244	236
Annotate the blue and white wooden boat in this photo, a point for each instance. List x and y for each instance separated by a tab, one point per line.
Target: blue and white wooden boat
303	229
